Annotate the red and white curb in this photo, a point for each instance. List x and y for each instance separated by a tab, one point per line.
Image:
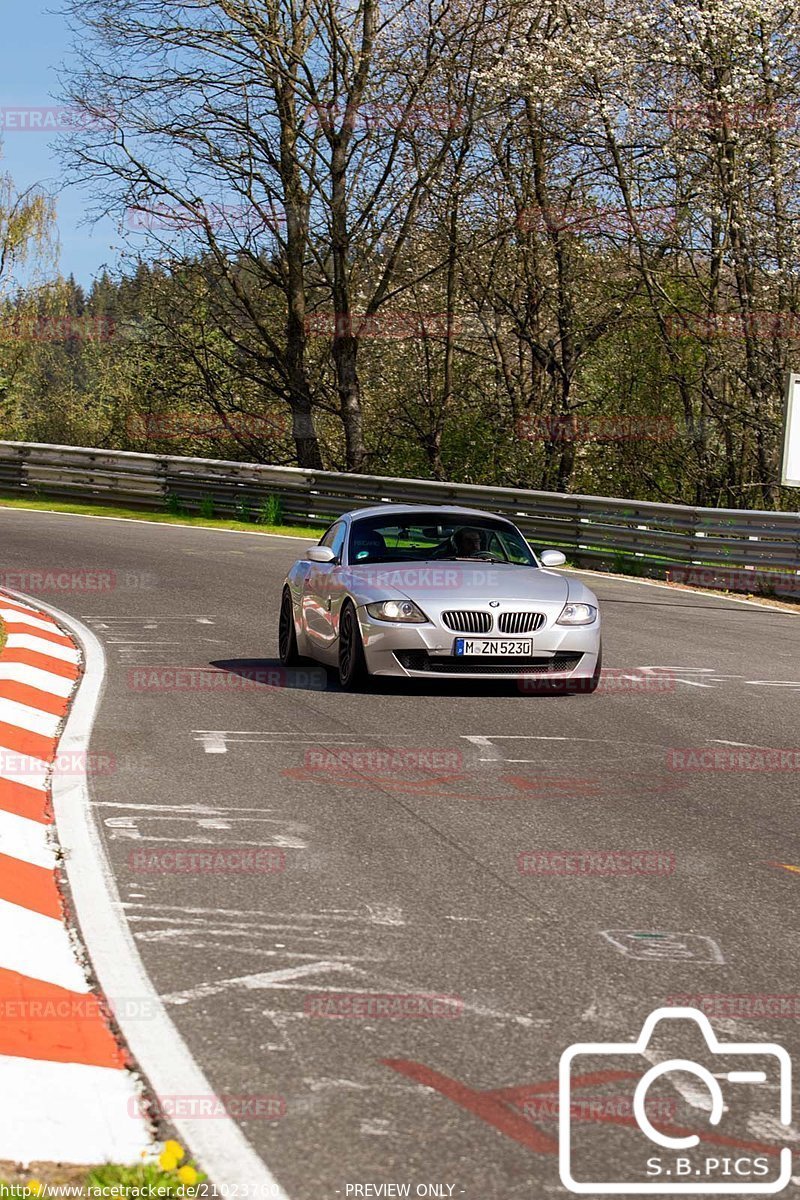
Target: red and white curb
82	1123
66	1093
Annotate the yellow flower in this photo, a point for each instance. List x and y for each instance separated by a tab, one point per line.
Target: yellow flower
35	1187
188	1175
167	1162
174	1148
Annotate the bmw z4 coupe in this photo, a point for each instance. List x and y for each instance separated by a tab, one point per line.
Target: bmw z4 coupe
446	593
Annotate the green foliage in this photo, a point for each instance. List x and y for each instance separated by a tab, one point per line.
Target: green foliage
58	504
172	1173
175	506
147	1176
271	511
138	385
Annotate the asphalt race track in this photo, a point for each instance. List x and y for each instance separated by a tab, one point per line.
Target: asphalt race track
402	877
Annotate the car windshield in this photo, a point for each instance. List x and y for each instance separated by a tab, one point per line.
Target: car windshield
422	537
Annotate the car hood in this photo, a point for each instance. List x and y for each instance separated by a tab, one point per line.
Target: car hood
455	584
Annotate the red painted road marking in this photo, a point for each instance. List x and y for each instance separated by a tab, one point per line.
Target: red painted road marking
39	1020
67	1090
491	1106
523	783
32	658
24	693
481	1104
29	886
22	741
56	636
25	801
9	605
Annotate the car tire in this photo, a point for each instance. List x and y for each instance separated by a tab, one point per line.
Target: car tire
591	684
353	673
287	633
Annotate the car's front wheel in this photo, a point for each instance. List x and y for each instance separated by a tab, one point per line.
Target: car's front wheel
287	634
594	680
353	671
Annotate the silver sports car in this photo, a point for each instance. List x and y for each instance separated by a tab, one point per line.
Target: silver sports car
448	593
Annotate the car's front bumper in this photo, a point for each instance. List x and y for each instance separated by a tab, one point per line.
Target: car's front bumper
426	652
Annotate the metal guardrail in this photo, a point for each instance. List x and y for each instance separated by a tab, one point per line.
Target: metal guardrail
695	544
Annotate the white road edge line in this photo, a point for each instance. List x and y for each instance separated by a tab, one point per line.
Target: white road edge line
710	594
219	1146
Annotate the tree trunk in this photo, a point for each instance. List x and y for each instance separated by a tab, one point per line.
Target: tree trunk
345	336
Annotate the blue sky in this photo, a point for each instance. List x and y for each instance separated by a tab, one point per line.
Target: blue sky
33	43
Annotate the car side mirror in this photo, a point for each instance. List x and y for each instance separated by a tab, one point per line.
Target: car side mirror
321	554
552	558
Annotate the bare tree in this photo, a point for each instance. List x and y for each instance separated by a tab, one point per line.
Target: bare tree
281	139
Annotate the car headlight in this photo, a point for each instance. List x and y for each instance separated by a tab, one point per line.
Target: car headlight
577	614
397	610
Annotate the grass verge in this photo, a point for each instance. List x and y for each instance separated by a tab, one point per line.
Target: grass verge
168	1174
56	504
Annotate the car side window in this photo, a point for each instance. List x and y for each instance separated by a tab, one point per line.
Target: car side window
510	547
335	538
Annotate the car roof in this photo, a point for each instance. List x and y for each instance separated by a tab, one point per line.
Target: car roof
410	509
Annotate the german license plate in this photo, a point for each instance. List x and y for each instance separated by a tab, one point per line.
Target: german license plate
493	647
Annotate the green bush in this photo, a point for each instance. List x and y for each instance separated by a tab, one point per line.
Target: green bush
175	505
271	511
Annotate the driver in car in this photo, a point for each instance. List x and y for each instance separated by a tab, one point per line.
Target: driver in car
467	542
